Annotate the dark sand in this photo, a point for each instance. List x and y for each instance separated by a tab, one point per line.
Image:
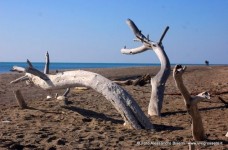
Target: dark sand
91	122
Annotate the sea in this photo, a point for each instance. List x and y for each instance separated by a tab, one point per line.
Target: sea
5	67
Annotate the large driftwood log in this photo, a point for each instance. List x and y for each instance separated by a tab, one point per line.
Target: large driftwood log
157	82
191	103
121	100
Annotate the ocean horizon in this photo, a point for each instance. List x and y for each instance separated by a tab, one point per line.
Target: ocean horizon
5	67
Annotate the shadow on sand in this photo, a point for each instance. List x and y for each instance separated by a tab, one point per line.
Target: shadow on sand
184	112
93	114
159	128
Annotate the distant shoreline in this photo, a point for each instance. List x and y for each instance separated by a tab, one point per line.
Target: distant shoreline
6	66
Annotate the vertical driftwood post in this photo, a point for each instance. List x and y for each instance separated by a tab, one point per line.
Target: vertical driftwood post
120	99
157	82
191	103
46	71
20	99
47	61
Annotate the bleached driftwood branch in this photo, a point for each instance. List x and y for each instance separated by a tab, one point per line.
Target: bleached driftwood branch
66	92
141	81
23	78
157	82
47	62
121	100
191	103
134	50
18	69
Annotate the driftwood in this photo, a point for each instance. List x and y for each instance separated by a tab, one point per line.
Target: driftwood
121	100
157	82
191	103
63	98
46	71
47	62
141	81
20	99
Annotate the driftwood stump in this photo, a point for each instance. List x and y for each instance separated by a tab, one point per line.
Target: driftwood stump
20	99
191	104
157	82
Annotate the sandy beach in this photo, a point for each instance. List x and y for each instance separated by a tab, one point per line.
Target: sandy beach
91	122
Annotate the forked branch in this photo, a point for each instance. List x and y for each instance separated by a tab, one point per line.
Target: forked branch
157	82
191	103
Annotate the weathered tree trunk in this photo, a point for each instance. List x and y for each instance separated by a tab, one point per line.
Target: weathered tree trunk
191	104
20	99
157	82
122	101
47	62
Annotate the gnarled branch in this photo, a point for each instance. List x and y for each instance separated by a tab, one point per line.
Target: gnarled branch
157	82
191	103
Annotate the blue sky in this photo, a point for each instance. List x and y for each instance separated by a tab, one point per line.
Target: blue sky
95	30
